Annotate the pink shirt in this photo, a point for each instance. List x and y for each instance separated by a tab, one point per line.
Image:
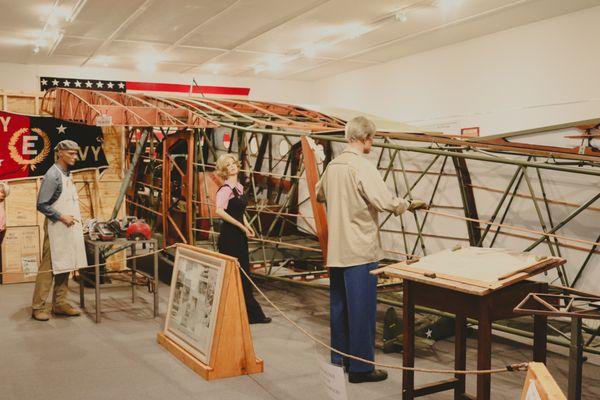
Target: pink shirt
2	217
225	194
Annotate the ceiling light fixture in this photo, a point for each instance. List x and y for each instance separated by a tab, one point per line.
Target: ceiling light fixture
401	16
145	66
76	10
311	50
148	62
104	60
215	68
446	4
58	37
354	30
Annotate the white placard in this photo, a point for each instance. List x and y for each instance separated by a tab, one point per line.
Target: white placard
104	120
334	380
30	266
532	392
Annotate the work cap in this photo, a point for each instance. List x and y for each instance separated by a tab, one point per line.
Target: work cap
66	145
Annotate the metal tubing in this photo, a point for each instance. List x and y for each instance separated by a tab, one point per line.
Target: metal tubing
539	214
127	178
420	236
499	206
565	221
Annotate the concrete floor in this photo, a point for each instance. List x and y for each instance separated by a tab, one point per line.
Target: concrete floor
74	358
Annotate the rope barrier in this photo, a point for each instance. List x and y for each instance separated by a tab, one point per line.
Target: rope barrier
99	264
516	367
509	368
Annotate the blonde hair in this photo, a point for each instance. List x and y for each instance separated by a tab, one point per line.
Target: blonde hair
5	188
359	128
221	168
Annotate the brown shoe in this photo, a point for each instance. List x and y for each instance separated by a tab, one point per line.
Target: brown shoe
40	315
67	310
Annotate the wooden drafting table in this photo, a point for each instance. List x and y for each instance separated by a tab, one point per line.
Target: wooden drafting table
472	282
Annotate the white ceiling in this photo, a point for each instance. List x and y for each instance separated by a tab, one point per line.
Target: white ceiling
280	39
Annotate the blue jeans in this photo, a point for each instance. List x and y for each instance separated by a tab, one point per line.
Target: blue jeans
353	305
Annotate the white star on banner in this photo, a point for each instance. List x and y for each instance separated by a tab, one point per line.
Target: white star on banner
110	85
61	129
1	161
100	84
55	82
88	84
428	333
121	85
67	83
44	82
77	84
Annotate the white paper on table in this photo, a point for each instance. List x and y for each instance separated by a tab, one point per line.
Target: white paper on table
334	380
30	266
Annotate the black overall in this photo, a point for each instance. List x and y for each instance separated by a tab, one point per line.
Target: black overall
234	242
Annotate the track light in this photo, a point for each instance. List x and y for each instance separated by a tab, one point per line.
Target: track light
401	16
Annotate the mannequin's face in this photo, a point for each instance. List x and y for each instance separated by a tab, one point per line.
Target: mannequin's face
69	157
232	168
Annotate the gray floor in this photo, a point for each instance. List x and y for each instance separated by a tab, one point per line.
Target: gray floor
119	358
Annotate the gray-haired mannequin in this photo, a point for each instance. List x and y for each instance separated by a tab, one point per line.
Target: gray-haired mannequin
63	249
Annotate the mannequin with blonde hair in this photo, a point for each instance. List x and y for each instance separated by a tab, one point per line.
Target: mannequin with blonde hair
235	228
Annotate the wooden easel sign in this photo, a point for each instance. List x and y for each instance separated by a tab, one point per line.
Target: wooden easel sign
206	326
540	385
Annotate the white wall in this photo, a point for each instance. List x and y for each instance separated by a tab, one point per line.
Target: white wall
25	78
530	76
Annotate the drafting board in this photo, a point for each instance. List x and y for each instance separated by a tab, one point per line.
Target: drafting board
473	269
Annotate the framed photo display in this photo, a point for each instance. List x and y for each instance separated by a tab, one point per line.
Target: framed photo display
196	289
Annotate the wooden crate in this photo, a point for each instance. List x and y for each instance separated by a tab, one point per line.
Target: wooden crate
21	205
21	255
21	103
97	191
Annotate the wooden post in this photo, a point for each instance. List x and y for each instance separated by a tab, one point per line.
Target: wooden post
408	341
460	355
484	349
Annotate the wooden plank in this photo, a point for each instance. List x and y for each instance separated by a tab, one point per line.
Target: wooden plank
551	262
182	355
435	387
312	177
545	385
441	282
434	275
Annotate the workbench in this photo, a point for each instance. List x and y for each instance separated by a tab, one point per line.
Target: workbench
148	246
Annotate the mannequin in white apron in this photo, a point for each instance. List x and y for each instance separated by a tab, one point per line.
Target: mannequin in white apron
64	247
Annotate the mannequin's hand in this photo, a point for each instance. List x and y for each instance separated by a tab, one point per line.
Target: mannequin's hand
68	220
250	232
417	205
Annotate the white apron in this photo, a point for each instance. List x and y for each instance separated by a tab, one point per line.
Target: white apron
67	248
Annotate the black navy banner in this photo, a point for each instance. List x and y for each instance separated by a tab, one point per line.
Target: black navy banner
48	82
27	145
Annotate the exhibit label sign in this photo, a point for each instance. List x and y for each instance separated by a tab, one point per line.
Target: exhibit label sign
194	301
